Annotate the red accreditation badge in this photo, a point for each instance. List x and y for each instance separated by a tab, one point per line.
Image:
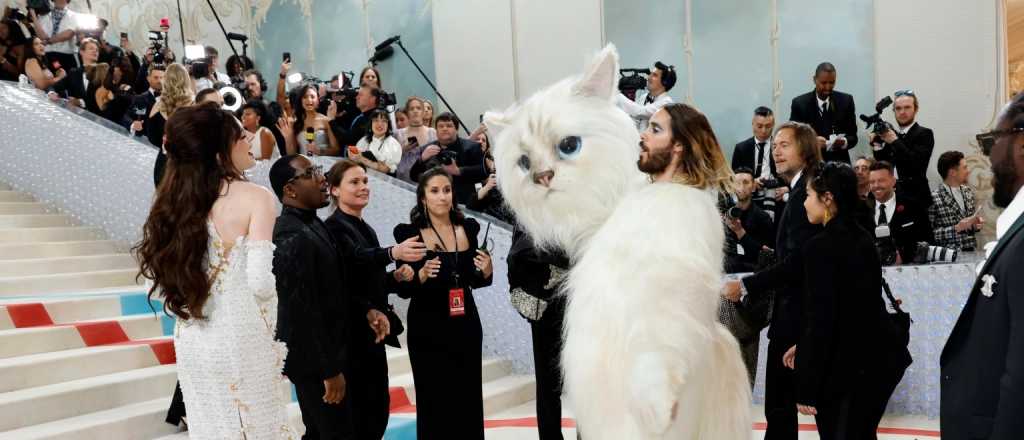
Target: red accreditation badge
456	302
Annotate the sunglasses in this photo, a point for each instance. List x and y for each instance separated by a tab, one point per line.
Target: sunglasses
311	172
988	140
900	93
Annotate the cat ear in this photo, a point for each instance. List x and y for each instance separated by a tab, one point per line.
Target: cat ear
600	78
495	122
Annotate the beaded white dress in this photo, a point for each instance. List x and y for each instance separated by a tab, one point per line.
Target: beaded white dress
229	364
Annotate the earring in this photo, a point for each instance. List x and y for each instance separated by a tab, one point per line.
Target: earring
828	215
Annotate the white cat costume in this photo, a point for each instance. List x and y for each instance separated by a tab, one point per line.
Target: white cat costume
644	357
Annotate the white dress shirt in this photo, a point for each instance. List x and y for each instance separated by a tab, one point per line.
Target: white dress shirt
890	209
821	102
70	21
640	112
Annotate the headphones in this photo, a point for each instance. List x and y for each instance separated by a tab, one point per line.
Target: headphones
668	75
259	77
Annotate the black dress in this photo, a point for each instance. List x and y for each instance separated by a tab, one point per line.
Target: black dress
444	350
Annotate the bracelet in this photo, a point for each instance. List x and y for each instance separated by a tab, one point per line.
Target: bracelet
391	253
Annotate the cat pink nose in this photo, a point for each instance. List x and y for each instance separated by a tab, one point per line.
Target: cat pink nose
544	177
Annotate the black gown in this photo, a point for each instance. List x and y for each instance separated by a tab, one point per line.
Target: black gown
445	351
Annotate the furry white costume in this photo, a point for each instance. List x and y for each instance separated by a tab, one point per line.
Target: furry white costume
644	357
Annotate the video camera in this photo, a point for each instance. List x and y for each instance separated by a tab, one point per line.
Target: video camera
875	123
633	80
157	42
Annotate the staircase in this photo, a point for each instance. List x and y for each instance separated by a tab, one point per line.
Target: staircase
83	356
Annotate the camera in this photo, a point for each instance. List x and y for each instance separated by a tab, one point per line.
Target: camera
885	245
446	157
17	15
875	123
934	254
632	80
42	7
157	41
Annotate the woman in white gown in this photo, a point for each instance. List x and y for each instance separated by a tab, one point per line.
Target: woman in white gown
206	246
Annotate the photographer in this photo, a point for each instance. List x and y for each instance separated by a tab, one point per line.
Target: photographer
58	32
908	147
659	82
461	158
749	228
350	126
212	59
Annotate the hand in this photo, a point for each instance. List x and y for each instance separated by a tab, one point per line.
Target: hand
492	181
789	358
736	226
806	410
430	269
452	169
404	273
964	225
780	192
482	261
732	291
429	152
379	324
312	149
285	67
839	143
284	125
137	126
757	184
332	110
76	102
411	250
334	389
979	222
60	74
126	45
821	142
889	136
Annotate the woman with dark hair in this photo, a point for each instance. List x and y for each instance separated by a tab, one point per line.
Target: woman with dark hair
235	65
378	149
306	131
445	338
370	77
367	262
256	120
206	247
35	67
95	75
115	94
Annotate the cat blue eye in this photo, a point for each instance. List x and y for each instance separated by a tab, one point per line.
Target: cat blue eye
569	146
524	163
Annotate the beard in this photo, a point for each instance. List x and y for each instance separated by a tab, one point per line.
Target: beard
1004	176
656	162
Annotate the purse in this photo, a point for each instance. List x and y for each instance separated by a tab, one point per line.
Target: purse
896	331
397	327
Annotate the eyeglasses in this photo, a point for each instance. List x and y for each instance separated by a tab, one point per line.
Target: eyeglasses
988	140
907	92
311	172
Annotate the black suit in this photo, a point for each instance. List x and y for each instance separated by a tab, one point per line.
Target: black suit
907	226
911	153
744	155
786	323
982	389
469	156
312	317
839	119
73	85
842	326
759	231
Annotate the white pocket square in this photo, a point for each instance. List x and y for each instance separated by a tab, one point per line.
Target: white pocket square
907	224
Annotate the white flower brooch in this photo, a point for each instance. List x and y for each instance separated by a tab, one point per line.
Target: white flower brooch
988	281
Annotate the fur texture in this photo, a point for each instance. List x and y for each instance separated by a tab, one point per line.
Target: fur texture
644	357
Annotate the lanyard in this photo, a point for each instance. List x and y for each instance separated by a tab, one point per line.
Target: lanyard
455	272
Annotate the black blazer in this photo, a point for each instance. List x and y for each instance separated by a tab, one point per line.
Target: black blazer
908	225
743	156
841	118
843	311
982	388
911	153
313	297
73	85
793	231
364	259
469	156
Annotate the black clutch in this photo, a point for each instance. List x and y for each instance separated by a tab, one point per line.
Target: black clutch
397	327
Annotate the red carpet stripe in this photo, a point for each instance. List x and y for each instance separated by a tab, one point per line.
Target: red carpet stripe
531	422
101	333
29	315
400	402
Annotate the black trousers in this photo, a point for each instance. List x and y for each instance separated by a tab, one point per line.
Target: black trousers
547	350
780	394
177	409
367	388
322	420
849	416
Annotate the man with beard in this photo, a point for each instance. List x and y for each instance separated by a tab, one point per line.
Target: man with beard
982	388
313	301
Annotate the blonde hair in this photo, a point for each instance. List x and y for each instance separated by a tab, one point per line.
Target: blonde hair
177	90
703	164
97	73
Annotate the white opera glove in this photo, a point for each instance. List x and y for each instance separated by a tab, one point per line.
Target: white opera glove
259	270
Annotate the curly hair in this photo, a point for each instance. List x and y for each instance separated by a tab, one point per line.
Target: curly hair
175	237
177	90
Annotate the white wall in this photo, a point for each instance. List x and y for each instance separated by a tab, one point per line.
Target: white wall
554	39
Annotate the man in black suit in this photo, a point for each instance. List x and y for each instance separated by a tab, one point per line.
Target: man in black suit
982	388
75	85
467	167
796	154
755	153
748	232
830	113
313	302
905	217
142	104
908	148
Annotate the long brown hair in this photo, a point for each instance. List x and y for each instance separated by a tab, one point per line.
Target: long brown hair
175	237
703	164
806	141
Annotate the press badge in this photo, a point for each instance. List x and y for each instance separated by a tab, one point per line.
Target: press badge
456	302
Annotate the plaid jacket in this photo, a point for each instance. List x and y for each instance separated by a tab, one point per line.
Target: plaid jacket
945	213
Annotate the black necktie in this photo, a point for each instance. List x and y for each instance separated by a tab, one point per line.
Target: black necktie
882	219
649	99
760	159
824	108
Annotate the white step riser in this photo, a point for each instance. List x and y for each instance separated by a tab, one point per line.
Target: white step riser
47	404
14	196
492	369
7	208
29	235
40	266
34	221
16	251
137	421
508	396
26	341
67	282
24	372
